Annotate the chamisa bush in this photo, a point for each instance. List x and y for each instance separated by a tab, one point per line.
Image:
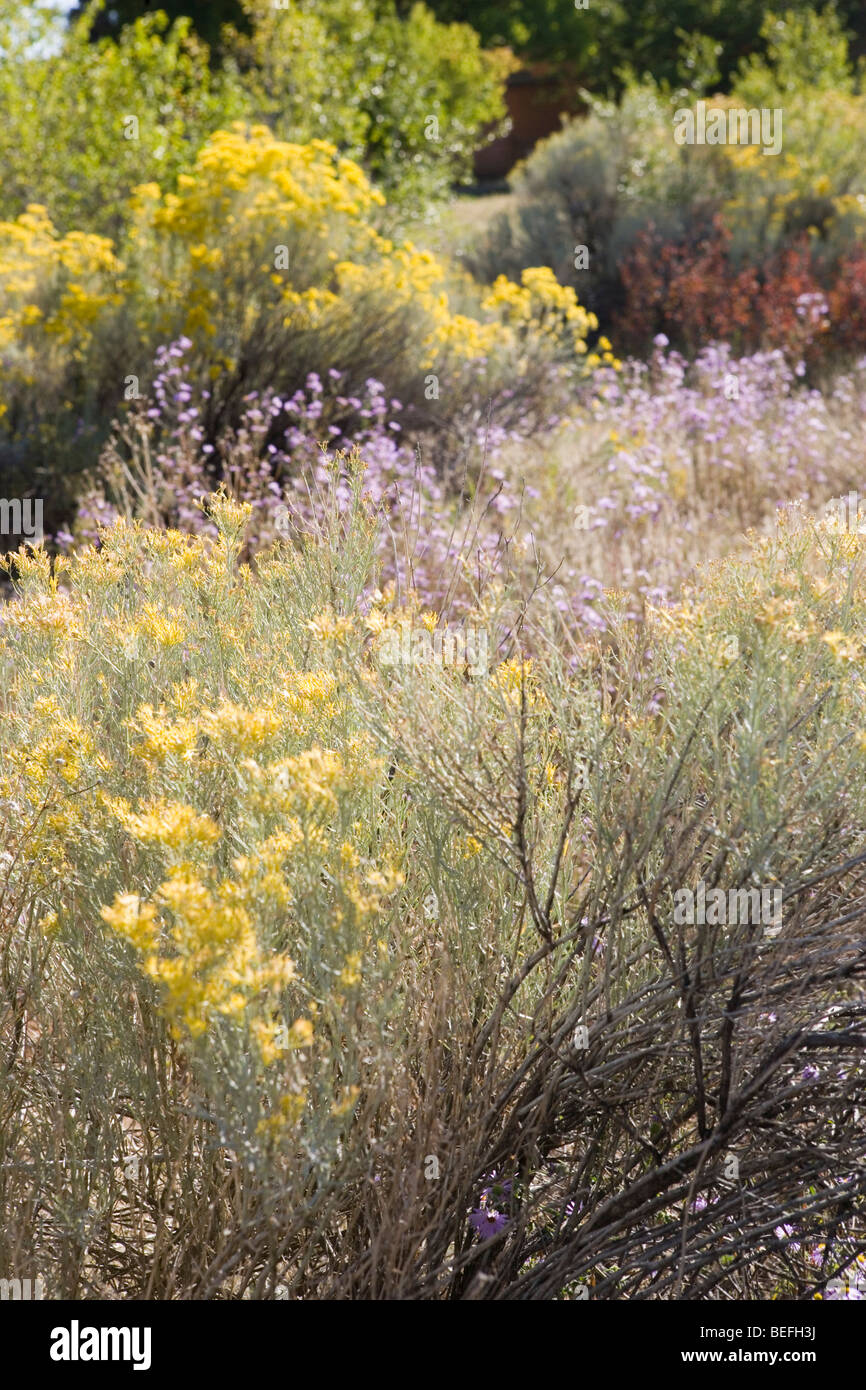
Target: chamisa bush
341	954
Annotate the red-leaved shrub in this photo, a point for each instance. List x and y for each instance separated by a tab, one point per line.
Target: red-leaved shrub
694	291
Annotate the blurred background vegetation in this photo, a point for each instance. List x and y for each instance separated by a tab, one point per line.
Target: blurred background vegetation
595	42
698	243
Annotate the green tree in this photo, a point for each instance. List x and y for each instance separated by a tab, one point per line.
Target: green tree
647	37
554	31
207	16
407	97
84	124
805	53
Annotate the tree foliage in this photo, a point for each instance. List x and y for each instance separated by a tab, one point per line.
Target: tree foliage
657	37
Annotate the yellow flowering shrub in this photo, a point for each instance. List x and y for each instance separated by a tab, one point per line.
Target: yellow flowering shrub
54	291
299	223
541	310
200	790
813	186
254	211
59	282
278	906
214	968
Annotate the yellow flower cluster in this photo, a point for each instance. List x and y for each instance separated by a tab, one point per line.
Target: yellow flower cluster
53	292
238	728
309	181
539	312
258	205
539	307
214	966
164	738
164	628
170	824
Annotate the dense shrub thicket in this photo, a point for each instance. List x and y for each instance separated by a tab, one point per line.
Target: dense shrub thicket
268	261
113	114
299	942
593	43
368	728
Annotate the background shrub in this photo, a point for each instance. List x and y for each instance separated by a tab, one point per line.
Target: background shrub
406	97
674	43
616	183
81	158
268	262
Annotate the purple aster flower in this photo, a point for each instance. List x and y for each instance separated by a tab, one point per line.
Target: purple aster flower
487	1222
